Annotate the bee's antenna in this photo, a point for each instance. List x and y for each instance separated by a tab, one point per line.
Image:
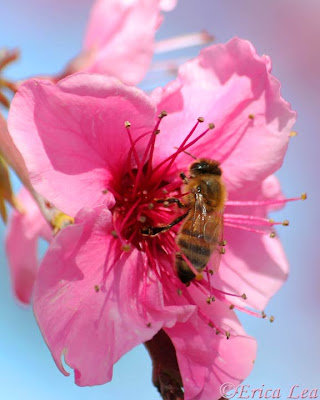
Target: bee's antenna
186	152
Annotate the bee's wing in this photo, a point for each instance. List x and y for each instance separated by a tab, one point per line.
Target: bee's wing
213	234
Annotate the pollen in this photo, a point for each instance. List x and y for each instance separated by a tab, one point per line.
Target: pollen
304	196
271	318
293	133
231	307
127	124
211	125
272	235
244	296
200	119
285	222
96	288
163	114
251	116
228	335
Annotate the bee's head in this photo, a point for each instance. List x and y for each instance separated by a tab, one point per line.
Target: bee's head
205	166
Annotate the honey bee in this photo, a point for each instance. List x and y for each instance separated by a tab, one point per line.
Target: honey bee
201	232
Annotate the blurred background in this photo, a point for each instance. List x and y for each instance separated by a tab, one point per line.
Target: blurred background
49	33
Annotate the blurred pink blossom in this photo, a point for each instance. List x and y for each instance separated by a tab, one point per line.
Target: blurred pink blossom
103	287
24	230
119	40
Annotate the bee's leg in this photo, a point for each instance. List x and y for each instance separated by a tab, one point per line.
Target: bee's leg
184	178
155	230
172	200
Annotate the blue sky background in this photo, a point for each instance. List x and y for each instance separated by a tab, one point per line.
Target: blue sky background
49	33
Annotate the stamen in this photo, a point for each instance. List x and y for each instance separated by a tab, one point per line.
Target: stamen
183	41
303	196
245	228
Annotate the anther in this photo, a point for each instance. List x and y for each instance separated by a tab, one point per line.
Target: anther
222	250
149	324
285	222
127	124
263	314
303	196
156	132
105	191
228	335
231	307
271	318
211	324
162	114
271	220
217	331
208	300
199	277
150	206
142	219
126	247
114	234
211	125
179	291
272	235
223	243
96	288
200	119
251	116
244	296
293	133
210	271
213	298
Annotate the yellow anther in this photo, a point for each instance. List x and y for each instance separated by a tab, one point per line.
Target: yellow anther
271	220
263	314
222	250
251	116
163	114
272	235
126	247
127	124
231	307
200	119
285	222
96	288
228	335
208	300
150	206
142	219
271	318
223	243
211	125
114	234
244	296
303	196
59	221
199	277
293	133
213	298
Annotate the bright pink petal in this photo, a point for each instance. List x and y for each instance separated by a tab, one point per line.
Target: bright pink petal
11	153
23	233
120	38
207	360
73	137
93	302
253	264
226	84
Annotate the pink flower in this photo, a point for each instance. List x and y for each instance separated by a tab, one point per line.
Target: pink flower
120	38
103	287
24	230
